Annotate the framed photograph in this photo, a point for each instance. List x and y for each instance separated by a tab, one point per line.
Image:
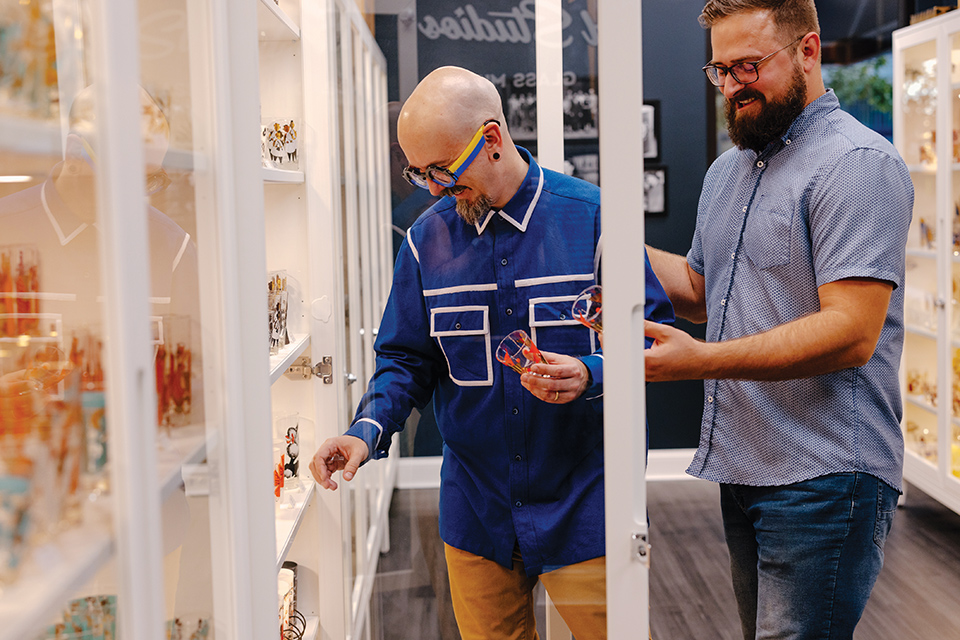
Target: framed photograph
650	115
655	190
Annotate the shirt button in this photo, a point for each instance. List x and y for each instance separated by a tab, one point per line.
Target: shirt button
723	302
787	141
458	325
710	399
518	504
760	163
744	209
504	262
518	458
733	256
509	312
516	411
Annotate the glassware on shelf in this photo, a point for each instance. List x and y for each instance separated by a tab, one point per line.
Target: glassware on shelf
87	618
29	80
40	449
277	305
287	430
173	363
956	223
281	488
921	440
18	450
19	289
920	309
518	352
928	235
86	353
189	627
279	143
921	387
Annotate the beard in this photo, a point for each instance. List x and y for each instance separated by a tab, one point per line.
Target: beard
775	117
471	212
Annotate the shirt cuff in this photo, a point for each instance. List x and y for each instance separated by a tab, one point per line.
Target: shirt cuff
594	364
370	432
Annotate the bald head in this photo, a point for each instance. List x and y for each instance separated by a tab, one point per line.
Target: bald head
448	106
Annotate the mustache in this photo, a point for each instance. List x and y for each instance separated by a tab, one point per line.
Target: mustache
745	94
452	191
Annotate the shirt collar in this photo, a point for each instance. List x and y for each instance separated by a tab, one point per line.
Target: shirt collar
813	112
519	209
64	221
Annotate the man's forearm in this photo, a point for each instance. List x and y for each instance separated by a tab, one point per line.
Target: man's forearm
674	275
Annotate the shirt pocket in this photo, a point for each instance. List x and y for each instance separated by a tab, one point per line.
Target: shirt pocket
766	239
553	327
464	336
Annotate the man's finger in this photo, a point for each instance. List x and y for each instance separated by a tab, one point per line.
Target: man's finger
350	469
654	330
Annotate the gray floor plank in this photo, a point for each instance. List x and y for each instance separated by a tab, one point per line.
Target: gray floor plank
917	596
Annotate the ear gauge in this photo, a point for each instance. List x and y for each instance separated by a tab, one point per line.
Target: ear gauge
496	156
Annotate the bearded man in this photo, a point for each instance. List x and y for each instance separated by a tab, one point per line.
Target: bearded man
508	246
797	267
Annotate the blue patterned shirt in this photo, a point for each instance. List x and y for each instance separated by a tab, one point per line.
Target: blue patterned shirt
829	200
516	470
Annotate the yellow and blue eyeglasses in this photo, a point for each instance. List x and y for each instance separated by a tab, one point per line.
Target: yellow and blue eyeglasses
446	177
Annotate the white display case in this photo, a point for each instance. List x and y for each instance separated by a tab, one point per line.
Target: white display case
188	527
926	91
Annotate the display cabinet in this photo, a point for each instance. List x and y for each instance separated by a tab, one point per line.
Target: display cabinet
193	226
326	226
927	133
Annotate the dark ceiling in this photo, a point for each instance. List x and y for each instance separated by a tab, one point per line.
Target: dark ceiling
852	30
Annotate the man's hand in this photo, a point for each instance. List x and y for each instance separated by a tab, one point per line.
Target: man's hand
674	355
563	379
342	452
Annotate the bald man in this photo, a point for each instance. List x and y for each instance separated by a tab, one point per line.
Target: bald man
508	246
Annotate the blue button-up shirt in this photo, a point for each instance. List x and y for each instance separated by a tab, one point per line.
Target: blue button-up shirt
829	200
516	470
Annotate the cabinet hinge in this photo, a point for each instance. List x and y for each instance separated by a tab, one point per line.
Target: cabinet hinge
302	369
640	548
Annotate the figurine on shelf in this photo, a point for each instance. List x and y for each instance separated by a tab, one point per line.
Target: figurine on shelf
956	227
927	235
928	154
290	143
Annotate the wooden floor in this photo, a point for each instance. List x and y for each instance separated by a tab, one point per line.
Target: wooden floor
917	596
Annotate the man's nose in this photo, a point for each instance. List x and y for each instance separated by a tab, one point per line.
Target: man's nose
730	87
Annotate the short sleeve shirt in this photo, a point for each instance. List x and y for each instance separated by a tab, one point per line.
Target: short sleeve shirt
830	200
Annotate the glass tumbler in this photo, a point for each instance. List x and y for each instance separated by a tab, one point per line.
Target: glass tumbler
518	352
588	308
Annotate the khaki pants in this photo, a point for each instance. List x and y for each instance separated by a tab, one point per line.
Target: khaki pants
492	602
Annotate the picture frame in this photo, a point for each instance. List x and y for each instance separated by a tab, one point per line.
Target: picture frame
655	190
650	116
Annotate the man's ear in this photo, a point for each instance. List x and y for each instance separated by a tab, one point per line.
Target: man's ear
810	48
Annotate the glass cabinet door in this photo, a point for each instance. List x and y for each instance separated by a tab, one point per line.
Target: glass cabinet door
55	486
927	134
950	285
919	150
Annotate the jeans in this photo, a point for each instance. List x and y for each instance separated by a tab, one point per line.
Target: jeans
804	557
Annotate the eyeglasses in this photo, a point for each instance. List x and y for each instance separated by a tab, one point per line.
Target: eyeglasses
742	72
447	176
